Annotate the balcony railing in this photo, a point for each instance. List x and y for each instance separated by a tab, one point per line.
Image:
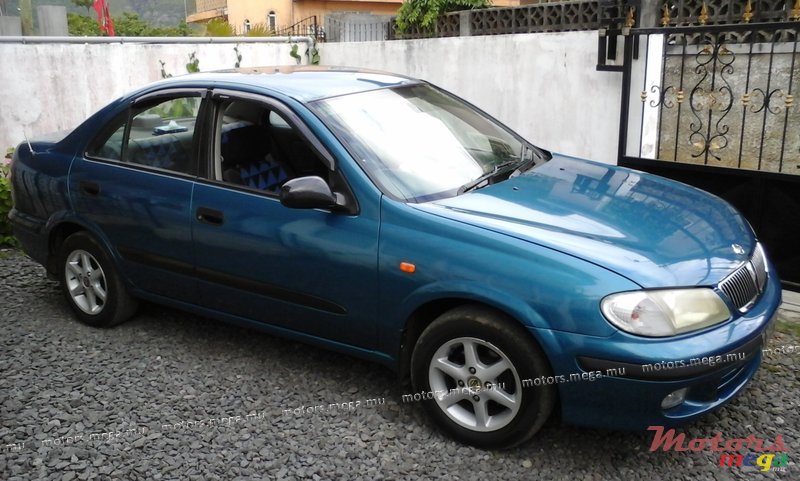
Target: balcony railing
199	6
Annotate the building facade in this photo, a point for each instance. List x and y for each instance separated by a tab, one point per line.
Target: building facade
279	14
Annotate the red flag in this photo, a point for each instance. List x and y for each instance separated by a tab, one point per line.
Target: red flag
104	17
109	22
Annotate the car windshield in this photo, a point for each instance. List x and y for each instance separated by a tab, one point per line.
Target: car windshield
419	143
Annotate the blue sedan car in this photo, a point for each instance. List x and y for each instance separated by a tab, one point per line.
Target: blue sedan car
383	217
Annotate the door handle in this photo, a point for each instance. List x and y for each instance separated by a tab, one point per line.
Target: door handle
89	188
210	216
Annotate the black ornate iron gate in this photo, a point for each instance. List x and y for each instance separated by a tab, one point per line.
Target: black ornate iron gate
713	106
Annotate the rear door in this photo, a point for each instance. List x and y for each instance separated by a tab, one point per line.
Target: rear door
135	184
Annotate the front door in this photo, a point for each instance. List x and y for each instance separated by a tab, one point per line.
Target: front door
306	270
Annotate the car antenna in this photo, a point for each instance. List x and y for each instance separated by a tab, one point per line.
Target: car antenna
30	147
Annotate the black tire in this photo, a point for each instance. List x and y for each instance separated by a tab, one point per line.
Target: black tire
86	272
495	337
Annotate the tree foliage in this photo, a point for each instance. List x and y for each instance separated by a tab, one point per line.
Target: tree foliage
126	25
130	25
425	13
81	26
87	4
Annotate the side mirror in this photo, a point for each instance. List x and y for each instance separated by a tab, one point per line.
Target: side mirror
307	193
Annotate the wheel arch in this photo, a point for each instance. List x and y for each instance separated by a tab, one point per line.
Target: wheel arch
56	237
60	227
425	313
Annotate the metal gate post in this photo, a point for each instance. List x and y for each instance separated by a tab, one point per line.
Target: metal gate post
627	65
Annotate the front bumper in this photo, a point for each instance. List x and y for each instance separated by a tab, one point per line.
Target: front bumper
714	366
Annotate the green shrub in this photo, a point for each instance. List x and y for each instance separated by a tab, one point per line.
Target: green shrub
219	28
194	63
260	30
6	236
425	13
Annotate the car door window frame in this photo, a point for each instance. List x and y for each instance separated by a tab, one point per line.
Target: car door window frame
133	108
219	97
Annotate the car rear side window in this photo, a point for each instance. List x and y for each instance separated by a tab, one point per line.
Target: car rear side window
162	135
159	134
108	145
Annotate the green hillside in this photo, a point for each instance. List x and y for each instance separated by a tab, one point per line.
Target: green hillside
155	12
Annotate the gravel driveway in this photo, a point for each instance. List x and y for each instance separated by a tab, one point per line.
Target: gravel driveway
172	396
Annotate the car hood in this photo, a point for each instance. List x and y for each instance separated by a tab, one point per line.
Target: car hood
654	231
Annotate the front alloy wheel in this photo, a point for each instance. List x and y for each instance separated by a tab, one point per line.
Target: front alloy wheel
468	366
475	384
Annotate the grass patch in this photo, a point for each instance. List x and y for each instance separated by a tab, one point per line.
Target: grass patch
772	368
8	253
787	327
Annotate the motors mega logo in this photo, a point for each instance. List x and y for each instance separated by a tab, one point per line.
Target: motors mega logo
759	453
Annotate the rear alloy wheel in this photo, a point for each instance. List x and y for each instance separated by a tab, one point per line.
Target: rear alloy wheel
86	282
91	285
468	366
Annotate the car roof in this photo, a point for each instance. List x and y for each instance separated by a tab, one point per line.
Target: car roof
305	83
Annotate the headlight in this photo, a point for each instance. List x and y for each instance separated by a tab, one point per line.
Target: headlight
667	312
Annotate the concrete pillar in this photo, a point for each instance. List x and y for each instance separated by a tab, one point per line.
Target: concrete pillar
52	21
649	14
26	14
464	27
10	26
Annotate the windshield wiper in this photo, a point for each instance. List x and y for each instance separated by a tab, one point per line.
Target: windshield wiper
530	156
498	170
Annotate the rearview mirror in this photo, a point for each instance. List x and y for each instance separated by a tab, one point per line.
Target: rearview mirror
310	192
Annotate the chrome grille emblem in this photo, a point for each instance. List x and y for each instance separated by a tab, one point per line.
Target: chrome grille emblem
737	249
747	282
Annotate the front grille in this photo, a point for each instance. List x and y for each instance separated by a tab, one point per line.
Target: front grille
747	282
760	267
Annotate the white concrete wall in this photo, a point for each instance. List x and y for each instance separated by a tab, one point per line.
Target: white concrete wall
545	85
542	85
49	87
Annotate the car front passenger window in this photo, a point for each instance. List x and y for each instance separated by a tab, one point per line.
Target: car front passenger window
260	150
